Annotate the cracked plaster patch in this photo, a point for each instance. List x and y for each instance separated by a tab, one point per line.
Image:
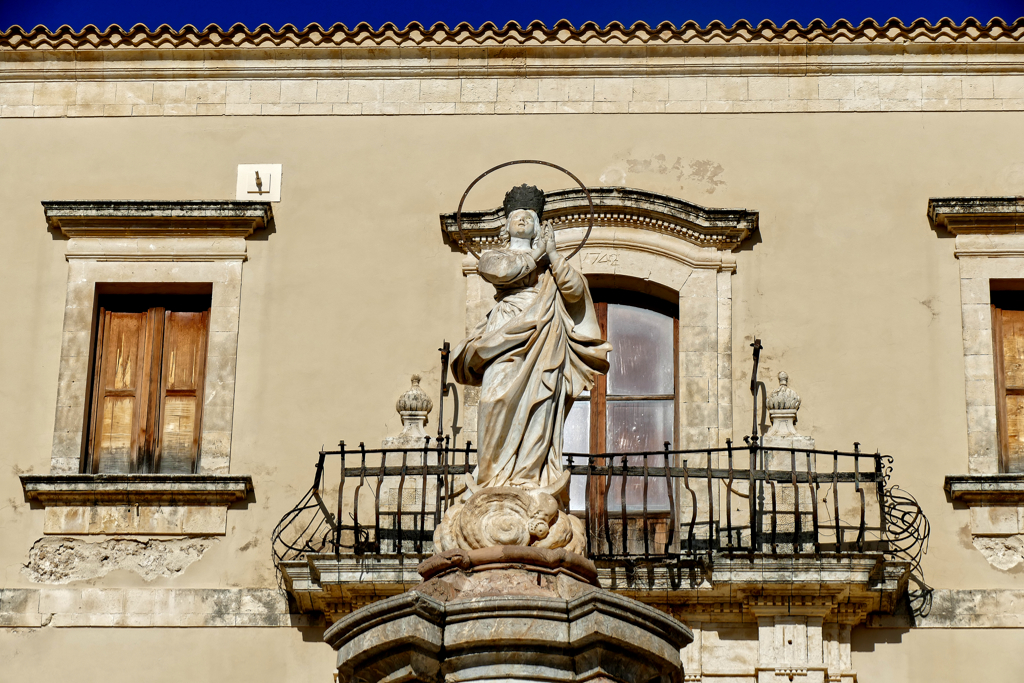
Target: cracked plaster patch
1002	552
63	560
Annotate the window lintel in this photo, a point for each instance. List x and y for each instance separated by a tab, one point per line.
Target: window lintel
130	489
977	215
181	218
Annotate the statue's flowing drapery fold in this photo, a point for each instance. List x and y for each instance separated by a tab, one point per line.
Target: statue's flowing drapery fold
538	349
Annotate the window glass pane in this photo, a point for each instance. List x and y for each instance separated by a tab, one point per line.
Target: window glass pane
637	426
577	440
641	357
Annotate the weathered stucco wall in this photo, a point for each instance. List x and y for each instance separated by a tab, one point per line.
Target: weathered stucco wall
851	291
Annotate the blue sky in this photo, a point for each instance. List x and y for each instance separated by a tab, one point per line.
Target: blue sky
78	13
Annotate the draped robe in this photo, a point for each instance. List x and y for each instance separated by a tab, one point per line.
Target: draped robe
538	349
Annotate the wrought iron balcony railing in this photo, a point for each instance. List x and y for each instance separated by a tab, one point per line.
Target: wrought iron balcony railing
665	506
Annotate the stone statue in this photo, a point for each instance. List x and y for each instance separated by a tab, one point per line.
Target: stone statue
538	349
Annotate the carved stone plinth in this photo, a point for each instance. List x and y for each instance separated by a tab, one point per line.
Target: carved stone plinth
508	613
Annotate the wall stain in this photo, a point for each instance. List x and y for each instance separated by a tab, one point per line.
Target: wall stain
701	175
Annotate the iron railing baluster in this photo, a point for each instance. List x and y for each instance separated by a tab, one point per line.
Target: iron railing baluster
835	500
693	510
812	486
863	500
377	540
622	500
341	498
670	542
797	545
728	499
647	530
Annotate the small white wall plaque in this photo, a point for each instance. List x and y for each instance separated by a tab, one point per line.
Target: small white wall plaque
259	182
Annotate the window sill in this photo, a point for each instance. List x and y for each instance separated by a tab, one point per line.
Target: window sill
150	504
985	489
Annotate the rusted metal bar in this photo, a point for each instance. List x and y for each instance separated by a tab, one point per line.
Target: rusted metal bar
752	493
693	509
341	498
728	498
400	542
587	510
835	500
446	350
670	487
444	478
712	532
622	500
376	495
863	501
606	512
418	541
880	492
775	519
647	530
812	486
797	545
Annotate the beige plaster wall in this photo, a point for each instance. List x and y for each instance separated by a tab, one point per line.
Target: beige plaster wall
884	656
850	290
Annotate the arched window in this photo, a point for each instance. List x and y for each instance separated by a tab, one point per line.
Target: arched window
633	408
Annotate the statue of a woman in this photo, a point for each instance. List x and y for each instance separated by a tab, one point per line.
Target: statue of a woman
538	349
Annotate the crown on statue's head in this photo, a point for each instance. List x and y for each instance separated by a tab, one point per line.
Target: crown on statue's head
524	197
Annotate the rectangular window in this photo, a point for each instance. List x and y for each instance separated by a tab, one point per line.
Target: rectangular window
147	390
1008	346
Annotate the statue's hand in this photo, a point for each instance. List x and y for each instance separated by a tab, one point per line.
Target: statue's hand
548	232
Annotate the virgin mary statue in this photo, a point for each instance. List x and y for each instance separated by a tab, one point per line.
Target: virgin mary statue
538	349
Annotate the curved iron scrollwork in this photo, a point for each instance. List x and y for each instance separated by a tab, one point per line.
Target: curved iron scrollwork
907	532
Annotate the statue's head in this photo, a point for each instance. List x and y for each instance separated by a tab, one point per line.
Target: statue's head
524	206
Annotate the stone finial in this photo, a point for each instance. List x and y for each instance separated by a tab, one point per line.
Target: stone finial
783	404
415	400
413	406
783	398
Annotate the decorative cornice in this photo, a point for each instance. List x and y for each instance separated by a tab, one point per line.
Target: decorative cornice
536	33
191	218
617	207
128	489
978	215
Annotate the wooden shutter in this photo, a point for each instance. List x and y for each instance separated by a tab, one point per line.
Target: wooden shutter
184	360
1009	345
148	391
121	391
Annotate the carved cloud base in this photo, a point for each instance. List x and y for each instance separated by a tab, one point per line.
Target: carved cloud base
510	516
508	614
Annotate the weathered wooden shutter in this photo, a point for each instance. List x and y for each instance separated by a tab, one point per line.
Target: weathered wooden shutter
184	361
1010	386
120	391
148	391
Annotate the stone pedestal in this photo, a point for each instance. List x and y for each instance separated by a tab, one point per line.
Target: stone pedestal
510	614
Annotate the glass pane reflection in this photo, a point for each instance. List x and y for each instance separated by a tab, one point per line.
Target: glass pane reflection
637	426
577	440
641	359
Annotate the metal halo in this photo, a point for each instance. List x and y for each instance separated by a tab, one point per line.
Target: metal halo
458	214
